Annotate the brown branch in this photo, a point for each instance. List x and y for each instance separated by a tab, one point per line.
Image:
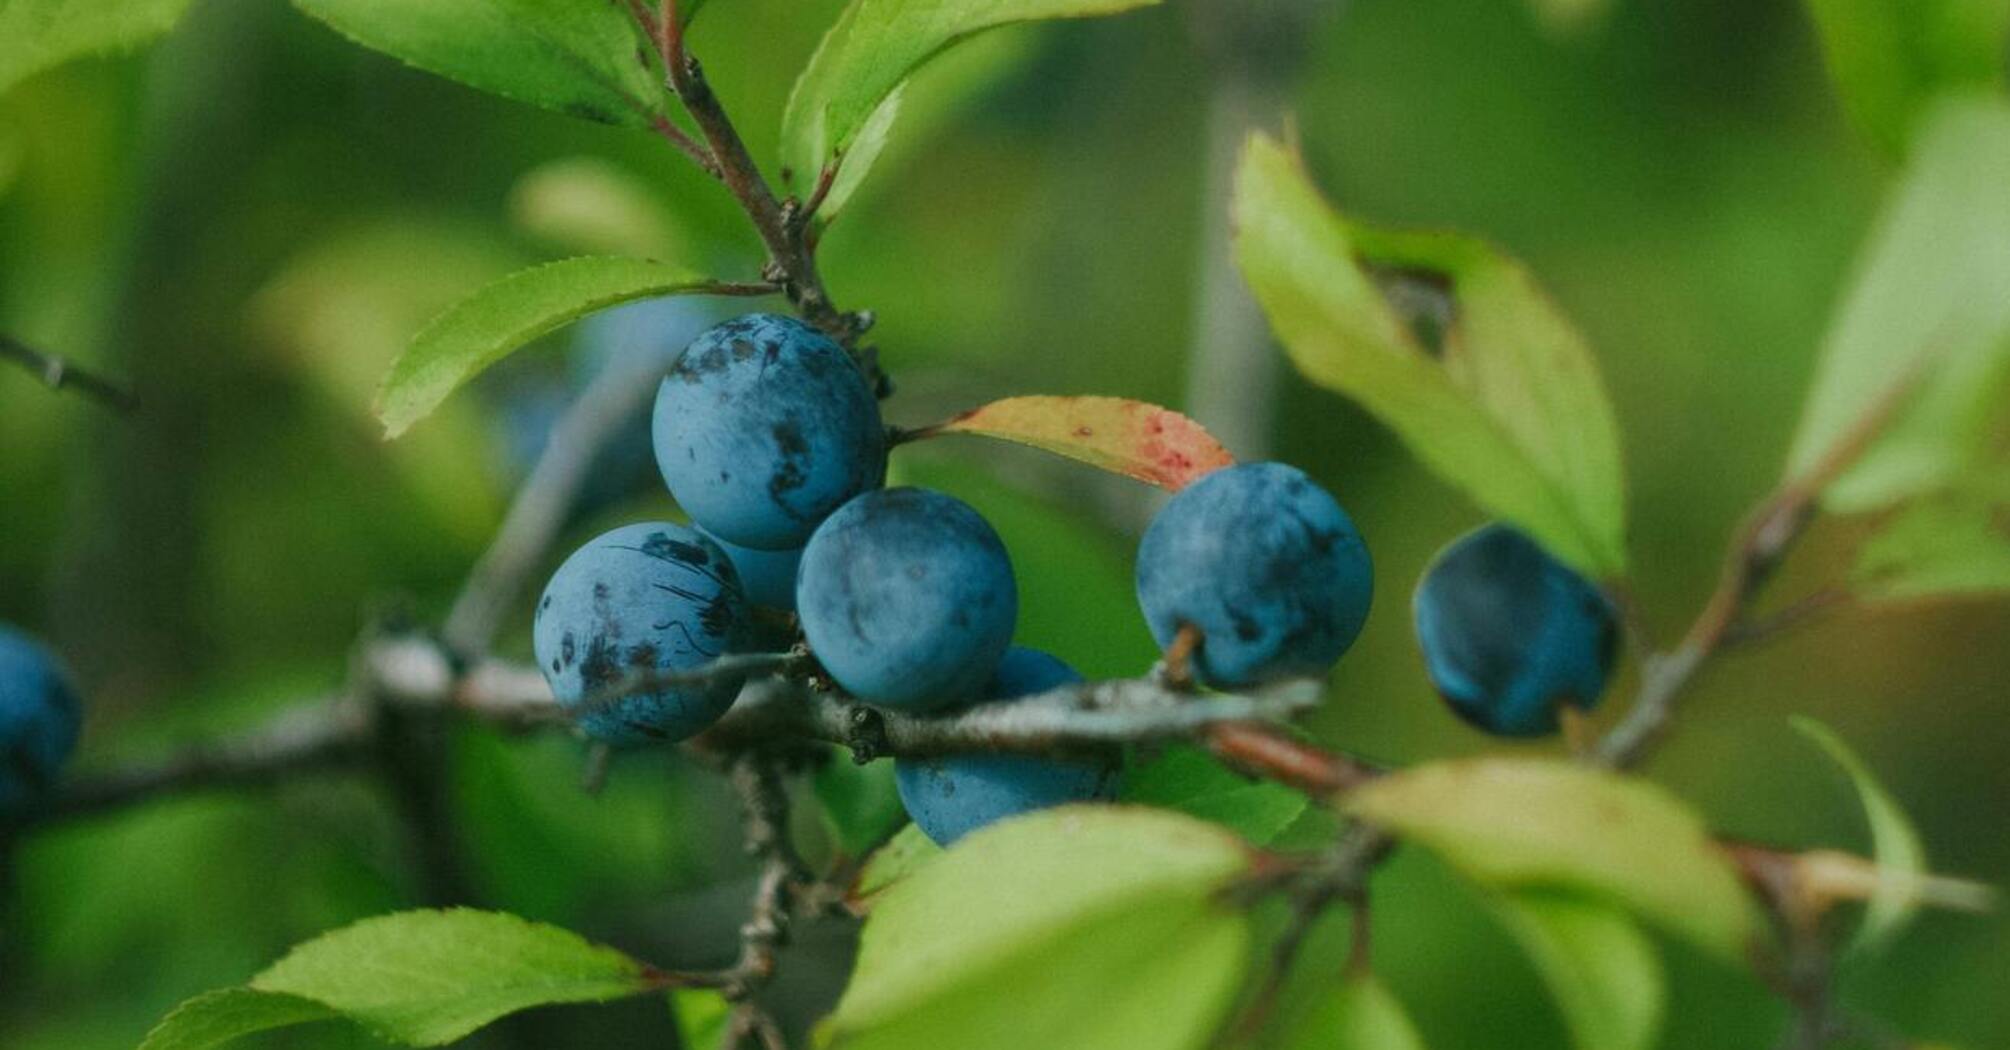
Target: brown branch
59	374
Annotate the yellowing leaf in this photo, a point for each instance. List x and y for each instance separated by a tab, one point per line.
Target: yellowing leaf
1510	408
1545	824
1132	438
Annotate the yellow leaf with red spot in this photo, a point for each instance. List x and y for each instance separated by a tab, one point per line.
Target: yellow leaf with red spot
1133	438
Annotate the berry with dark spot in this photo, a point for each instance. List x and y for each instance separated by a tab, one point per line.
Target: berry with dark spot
39	721
907	598
763	427
1265	565
767	577
639	599
1510	634
952	795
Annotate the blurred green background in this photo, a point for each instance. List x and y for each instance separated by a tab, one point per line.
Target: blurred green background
247	221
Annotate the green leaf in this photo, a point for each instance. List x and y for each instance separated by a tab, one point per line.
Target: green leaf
425	978
1954	542
1481	376
702	1015
1547	824
860	803
1191	781
487	326
1890	58
903	855
1138	440
872	49
1601	969
586	59
1895	844
1106	924
594	206
40	34
220	1018
1359	1013
1929	308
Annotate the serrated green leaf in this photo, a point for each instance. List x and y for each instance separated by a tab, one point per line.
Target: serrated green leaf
1511	407
1929	307
40	34
1107	925
1525	824
1600	968
220	1018
1895	843
1890	58
1954	542
1358	1013
586	59
426	978
1191	781
872	49
485	327
860	803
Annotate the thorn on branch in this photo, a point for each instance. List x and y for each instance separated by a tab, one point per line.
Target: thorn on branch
59	374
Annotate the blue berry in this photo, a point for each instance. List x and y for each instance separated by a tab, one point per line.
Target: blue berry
953	795
39	721
1510	634
907	598
767	577
764	427
653	596
1266	565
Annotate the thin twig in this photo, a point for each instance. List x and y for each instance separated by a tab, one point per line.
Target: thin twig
59	374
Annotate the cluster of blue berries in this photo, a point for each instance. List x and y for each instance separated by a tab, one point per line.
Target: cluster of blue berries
769	436
39	721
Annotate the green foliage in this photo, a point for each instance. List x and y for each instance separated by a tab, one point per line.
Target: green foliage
220	1018
596	207
1953	542
1929	309
589	60
1357	1013
844	101
38	34
903	855
421	978
1508	405
489	325
1891	58
1600	968
1107	925
1543	824
702	1016
1894	842
860	804
1191	781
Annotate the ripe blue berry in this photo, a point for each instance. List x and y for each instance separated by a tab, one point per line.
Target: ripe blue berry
953	795
1266	565
766	577
39	721
907	598
763	427
1509	633
648	597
